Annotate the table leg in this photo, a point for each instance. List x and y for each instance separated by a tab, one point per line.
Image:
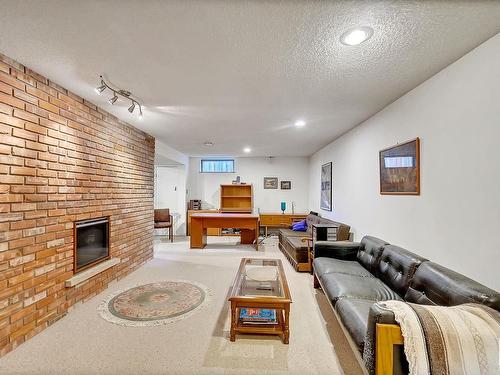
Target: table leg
248	236
286	333
234	321
198	238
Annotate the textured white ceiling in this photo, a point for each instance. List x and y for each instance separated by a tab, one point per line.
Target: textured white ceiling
240	73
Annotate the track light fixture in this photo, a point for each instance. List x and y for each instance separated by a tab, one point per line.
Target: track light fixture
113	99
123	93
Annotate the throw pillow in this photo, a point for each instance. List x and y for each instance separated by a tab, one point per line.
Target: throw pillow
301	226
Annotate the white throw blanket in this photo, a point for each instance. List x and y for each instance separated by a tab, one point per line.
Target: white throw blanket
462	339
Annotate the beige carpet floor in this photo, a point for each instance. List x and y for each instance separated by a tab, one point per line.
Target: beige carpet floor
84	343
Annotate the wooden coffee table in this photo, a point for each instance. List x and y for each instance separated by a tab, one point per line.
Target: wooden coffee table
260	283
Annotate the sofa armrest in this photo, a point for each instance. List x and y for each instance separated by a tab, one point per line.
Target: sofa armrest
390	357
345	250
377	315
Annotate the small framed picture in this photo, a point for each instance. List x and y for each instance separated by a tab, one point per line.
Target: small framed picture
270	182
326	187
286	185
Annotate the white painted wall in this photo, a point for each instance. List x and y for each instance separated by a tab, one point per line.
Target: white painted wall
164	154
170	192
206	186
456	219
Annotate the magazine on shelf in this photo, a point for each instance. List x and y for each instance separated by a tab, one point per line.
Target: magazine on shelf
258	316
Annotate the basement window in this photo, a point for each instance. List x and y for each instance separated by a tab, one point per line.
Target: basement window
217	166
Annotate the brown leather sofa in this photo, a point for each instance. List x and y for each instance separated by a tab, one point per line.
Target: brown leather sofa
292	246
354	276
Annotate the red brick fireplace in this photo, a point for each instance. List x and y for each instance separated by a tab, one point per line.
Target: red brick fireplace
63	160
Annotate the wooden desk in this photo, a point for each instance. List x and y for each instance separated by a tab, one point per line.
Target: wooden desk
210	231
248	223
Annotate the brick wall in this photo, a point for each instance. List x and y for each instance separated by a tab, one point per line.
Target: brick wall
63	159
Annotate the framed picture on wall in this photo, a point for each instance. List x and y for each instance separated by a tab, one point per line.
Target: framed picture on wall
286	185
326	187
400	168
270	182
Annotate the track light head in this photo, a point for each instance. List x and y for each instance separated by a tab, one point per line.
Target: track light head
131	108
113	99
100	89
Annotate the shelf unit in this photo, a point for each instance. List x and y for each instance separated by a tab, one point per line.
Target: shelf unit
236	198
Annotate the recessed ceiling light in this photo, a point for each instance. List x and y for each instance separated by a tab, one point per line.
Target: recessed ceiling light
208	143
300	123
356	36
247	150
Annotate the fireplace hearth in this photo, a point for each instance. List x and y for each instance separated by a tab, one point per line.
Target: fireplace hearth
91	242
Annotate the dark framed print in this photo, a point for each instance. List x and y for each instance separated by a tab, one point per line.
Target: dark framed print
286	185
326	187
270	182
400	168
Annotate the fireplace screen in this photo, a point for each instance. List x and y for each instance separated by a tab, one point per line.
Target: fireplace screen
92	242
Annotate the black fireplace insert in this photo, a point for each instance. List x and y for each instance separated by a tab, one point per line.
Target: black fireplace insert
91	242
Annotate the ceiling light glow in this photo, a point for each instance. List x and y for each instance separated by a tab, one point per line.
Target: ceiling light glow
300	123
100	89
247	150
356	36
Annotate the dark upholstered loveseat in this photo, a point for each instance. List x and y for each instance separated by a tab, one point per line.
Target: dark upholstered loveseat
291	244
354	276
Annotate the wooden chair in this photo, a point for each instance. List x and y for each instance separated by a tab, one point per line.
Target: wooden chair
163	220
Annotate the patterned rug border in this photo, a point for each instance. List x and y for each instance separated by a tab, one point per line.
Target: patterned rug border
108	316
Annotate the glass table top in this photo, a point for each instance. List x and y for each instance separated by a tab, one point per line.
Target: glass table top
260	278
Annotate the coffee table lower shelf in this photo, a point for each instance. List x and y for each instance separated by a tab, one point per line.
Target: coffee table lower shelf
281	328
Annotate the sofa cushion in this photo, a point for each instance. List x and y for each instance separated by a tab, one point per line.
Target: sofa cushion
336	285
370	252
163	224
434	284
397	266
285	232
343	231
354	313
310	220
328	265
336	249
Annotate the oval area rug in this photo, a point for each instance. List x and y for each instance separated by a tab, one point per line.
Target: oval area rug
154	304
